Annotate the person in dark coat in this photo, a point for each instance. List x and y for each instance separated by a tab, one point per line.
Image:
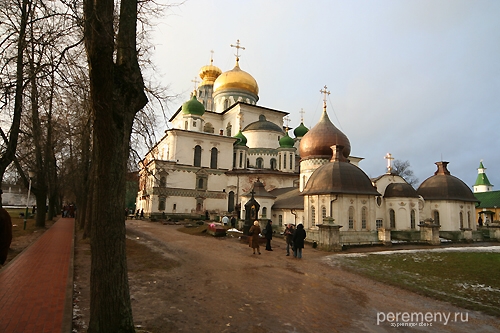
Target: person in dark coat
298	241
290	229
269	235
5	234
254	237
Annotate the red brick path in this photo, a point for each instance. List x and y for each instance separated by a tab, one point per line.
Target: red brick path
36	287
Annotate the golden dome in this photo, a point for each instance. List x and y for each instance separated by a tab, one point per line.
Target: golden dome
209	74
236	79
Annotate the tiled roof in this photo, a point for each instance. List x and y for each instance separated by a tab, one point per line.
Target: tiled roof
488	199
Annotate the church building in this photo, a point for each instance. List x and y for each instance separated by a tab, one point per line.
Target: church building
223	148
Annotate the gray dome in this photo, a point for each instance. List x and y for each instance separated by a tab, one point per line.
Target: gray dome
339	177
402	190
263	125
444	186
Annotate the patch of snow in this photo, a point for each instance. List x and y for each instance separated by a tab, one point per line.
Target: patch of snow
489	249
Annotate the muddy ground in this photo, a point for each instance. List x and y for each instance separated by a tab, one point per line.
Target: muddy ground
209	284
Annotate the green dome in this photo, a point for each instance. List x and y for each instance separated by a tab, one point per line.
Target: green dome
194	107
300	131
242	140
286	141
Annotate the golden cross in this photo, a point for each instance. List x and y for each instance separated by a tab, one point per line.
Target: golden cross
302	115
211	57
389	159
287	121
195	82
238	47
325	92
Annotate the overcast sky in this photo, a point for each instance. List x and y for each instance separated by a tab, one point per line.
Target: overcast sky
419	79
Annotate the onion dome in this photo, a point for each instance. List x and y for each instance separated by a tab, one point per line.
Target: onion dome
318	141
444	186
400	190
263	125
209	74
300	131
193	107
242	140
236	79
286	141
339	177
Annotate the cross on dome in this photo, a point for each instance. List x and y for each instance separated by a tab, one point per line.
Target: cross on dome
302	115
287	121
389	159
238	47
211	57
195	80
325	92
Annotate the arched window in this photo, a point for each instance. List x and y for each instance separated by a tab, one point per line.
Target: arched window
241	159
323	212
412	219
226	103
351	218
200	183
392	218
461	220
214	153
436	217
279	162
197	156
468	220
163	181
208	128
264	212
364	213
273	164
284	161
291	160
313	216
161	204
230	201
229	128
259	163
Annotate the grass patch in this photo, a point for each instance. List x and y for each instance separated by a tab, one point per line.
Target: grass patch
466	279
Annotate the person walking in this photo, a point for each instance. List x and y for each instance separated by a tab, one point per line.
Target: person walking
298	241
254	236
290	229
269	235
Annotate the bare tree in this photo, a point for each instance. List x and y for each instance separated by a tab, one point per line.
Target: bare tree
116	95
17	32
403	169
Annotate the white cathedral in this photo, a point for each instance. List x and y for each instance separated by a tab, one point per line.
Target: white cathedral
223	148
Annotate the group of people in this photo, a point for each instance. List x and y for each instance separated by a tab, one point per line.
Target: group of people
294	237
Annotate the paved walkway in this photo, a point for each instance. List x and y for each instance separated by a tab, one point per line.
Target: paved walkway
36	288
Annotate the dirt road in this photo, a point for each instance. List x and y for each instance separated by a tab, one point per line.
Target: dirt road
220	286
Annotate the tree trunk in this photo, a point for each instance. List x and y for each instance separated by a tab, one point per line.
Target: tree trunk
117	93
10	146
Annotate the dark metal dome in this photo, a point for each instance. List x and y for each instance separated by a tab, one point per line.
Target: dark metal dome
339	177
403	190
263	125
318	141
444	186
